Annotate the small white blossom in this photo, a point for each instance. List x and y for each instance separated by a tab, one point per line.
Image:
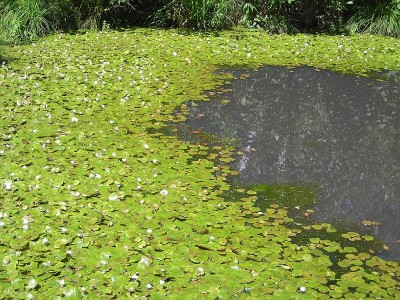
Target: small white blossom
301	290
45	241
46	264
149	286
2	224
146	146
62	282
174	53
149	231
200	271
134	277
162	281
32	284
113	197
7	185
74	119
164	192
145	261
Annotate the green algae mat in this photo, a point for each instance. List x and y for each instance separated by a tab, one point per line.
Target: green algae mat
97	203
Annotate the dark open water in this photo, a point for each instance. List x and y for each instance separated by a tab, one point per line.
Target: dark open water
306	127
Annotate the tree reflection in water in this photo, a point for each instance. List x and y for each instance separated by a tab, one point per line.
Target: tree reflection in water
304	126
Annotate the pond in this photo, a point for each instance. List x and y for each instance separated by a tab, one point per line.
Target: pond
336	134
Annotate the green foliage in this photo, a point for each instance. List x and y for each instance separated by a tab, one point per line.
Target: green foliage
96	206
377	17
23	20
199	14
27	19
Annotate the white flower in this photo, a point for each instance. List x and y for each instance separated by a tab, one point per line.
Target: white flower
46	264
149	231
74	119
145	261
249	54
301	289
174	53
139	187
32	284
7	185
113	197
2	223
162	281
1	152
62	282
146	146
235	268
200	271
45	241
164	192
134	277
149	286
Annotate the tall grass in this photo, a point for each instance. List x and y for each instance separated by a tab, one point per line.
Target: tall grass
23	20
381	17
27	19
199	14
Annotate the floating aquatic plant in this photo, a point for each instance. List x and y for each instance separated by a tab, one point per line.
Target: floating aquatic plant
72	154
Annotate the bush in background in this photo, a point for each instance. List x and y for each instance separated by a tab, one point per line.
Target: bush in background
377	17
24	20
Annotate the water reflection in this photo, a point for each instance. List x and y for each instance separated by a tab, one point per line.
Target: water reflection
303	126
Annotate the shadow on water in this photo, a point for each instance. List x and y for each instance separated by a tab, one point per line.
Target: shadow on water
334	137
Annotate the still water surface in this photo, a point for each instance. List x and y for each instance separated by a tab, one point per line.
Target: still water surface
312	127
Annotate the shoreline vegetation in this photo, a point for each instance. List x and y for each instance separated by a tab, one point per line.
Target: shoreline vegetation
95	205
25	20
